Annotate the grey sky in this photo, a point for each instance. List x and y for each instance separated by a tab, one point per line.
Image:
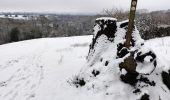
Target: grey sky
78	6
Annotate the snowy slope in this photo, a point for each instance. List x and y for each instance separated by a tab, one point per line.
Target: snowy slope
39	69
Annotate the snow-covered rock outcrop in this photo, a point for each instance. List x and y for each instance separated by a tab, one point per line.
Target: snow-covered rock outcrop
103	72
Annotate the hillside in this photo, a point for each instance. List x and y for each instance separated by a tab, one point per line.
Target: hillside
39	69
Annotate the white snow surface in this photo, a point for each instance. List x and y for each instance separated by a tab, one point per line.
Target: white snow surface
39	70
106	18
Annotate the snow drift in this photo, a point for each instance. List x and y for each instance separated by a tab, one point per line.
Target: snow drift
103	72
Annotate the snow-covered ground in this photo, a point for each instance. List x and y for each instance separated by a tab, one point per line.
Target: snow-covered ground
39	69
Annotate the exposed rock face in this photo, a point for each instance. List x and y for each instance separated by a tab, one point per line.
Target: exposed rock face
103	71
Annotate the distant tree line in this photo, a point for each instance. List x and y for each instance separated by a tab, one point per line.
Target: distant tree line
150	24
42	26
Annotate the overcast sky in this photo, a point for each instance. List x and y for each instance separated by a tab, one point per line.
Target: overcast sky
78	6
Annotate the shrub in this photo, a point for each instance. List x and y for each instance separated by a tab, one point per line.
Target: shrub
14	34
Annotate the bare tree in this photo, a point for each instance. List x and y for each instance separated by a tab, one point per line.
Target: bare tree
118	13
